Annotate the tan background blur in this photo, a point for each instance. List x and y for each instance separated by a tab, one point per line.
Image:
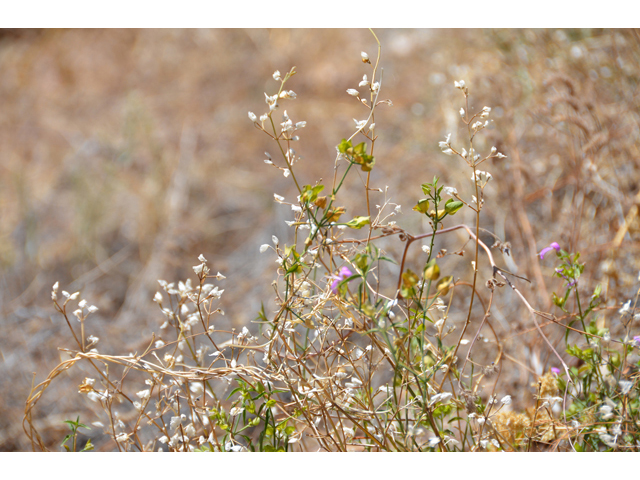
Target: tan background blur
124	154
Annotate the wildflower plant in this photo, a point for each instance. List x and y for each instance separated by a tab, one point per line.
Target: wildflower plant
354	357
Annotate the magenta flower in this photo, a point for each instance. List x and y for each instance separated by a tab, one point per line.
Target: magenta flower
544	251
555	370
637	339
343	274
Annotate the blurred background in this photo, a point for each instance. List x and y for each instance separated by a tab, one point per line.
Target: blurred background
124	154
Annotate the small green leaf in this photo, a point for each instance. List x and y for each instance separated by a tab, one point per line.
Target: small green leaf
432	270
444	284
367	162
360	149
452	206
557	300
422	206
361	261
426	188
344	146
310	194
88	446
409	279
358	222
334	214
597	291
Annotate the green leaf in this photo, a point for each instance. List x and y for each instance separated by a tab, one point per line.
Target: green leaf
361	261
444	284
452	206
358	222
426	188
367	162
360	149
409	279
422	206
310	194
558	301
88	446
598	290
344	146
334	214
432	270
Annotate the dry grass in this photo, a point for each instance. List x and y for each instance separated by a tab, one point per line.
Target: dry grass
125	154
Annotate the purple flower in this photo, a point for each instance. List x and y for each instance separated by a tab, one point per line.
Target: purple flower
637	339
343	274
555	370
544	251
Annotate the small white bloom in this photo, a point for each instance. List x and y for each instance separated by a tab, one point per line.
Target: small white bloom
196	388
365	57
122	437
202	259
441	397
353	92
625	386
348	433
506	400
144	394
276	75
625	308
364	82
446	143
462	112
286	172
447	151
459	84
275	240
157	297
481	177
608	440
82	303
278	198
252	117
93	309
433	441
450	191
264	248
174	422
360	124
